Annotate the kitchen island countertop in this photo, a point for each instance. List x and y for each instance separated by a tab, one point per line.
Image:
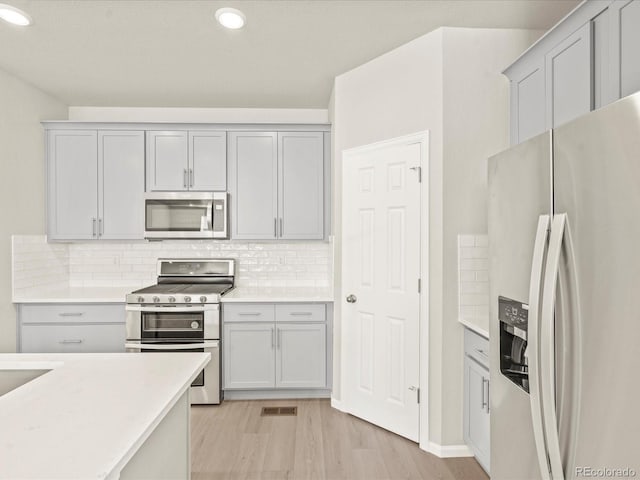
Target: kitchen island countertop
88	414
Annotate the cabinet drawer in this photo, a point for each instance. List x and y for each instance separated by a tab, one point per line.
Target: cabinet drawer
72	338
476	347
301	312
72	313
248	312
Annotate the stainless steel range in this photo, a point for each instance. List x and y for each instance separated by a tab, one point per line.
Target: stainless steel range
181	313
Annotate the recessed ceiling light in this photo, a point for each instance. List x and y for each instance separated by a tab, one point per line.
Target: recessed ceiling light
13	15
230	18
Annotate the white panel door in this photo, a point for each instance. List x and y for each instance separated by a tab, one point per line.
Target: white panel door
528	104
249	355
568	69
121	186
625	34
301	355
207	161
253	184
300	186
73	184
167	161
380	269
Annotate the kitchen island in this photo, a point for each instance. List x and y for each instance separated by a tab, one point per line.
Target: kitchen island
96	416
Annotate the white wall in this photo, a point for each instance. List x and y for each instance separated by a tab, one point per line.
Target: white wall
22	108
447	82
199	115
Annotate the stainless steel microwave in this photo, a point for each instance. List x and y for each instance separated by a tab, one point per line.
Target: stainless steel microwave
185	215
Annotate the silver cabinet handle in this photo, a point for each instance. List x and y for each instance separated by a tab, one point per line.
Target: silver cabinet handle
483	400
275	227
273	337
184	178
71	314
93	227
281	227
191	177
352	298
278	338
487	380
65	342
100	227
300	314
249	314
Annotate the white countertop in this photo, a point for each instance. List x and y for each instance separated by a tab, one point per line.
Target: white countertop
278	294
67	294
473	327
86	417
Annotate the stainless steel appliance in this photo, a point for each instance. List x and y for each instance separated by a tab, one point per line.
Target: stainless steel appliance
181	313
564	227
186	215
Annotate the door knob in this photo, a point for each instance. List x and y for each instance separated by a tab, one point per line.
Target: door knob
352	298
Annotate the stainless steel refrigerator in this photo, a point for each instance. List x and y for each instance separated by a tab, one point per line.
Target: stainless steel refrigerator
564	234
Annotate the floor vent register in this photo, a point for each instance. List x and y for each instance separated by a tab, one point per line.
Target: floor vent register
279	411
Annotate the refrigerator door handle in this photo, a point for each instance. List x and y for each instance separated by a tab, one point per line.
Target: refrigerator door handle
547	346
535	290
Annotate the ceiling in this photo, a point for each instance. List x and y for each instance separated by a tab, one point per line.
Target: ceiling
173	53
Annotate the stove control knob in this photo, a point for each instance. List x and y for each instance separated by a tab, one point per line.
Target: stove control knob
195	325
172	299
187	299
140	299
203	299
156	299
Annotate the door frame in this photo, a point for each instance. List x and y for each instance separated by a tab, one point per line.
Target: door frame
421	138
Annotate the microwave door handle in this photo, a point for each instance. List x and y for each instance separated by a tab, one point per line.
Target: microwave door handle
172	346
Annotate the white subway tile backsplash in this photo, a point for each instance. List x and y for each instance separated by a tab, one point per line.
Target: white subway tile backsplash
92	264
473	277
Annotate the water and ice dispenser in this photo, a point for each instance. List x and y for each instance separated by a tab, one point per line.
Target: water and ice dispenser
513	316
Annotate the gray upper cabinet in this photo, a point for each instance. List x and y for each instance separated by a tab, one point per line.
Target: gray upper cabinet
568	78
72	171
300	188
121	191
182	160
276	182
95	184
588	60
253	184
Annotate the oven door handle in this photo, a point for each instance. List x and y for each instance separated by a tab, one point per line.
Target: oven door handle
172	346
196	308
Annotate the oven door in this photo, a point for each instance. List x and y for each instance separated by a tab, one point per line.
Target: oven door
197	322
205	389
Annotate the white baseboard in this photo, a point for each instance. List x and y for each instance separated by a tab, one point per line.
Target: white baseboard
274	394
448	451
338	405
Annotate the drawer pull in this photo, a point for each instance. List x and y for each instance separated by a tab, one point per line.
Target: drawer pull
300	314
249	314
481	352
71	314
70	341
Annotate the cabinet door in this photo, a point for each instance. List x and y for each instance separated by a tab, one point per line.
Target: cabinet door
476	415
300	187
207	161
167	162
625	42
301	351
528	103
72	176
568	70
249	355
73	338
121	189
253	184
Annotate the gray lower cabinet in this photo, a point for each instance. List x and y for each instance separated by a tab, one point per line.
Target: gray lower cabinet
95	185
267	346
180	160
71	328
476	398
276	181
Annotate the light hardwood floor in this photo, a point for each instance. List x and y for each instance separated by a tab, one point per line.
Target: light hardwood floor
232	441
